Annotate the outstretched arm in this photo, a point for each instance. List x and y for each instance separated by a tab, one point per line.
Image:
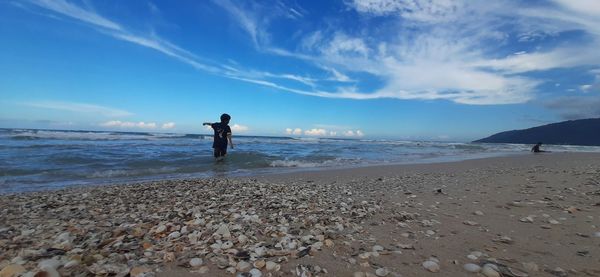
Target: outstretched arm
206	124
229	139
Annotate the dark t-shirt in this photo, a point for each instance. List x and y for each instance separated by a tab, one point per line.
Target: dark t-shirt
221	131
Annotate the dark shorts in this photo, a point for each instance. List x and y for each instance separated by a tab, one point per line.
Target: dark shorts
220	152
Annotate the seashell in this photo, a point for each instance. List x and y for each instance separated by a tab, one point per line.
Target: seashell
431	266
242	239
226	245
530	267
488	271
243	266
12	270
382	271
472	268
272	266
138	271
259	264
329	243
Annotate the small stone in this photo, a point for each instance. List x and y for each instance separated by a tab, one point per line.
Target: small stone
472	268
470	223
71	263
161	228
472	257
527	219
430	232
377	248
382	271
223	231
196	262
431	266
231	270
12	270
558	272
174	235
553	221
488	271
597	234
478	213
255	272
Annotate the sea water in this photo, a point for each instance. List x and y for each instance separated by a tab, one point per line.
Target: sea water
33	160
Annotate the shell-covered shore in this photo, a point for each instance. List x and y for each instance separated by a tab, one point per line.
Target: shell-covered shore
492	220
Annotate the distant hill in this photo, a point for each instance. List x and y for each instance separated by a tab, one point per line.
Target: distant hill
572	132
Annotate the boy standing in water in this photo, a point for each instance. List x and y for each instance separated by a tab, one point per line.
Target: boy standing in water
222	136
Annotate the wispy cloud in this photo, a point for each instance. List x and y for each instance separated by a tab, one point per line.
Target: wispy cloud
168	125
239	128
439	50
129	124
571	108
79	108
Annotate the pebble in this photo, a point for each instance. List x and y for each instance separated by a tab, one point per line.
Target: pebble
472	268
196	262
553	221
255	272
597	234
174	235
478	213
470	223
431	266
377	248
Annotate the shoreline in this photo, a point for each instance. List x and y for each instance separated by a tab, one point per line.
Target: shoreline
531	214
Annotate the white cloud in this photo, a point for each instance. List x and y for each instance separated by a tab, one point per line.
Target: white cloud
239	128
168	125
315	132
333	133
353	133
129	124
80	108
296	131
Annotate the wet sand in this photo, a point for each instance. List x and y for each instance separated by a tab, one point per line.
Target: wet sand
529	215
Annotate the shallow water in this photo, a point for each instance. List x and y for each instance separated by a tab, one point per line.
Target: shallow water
43	159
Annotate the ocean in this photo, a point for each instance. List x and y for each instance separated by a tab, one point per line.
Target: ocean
33	160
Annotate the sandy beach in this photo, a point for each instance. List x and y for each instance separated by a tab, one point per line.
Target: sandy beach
526	215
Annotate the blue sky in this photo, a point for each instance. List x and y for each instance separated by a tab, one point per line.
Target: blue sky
408	69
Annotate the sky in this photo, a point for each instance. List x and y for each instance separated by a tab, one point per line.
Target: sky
449	70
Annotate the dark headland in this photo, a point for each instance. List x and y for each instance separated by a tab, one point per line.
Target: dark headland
572	132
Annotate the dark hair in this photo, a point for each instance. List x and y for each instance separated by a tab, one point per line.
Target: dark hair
225	117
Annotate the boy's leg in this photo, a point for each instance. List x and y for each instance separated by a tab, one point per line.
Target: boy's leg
220	153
